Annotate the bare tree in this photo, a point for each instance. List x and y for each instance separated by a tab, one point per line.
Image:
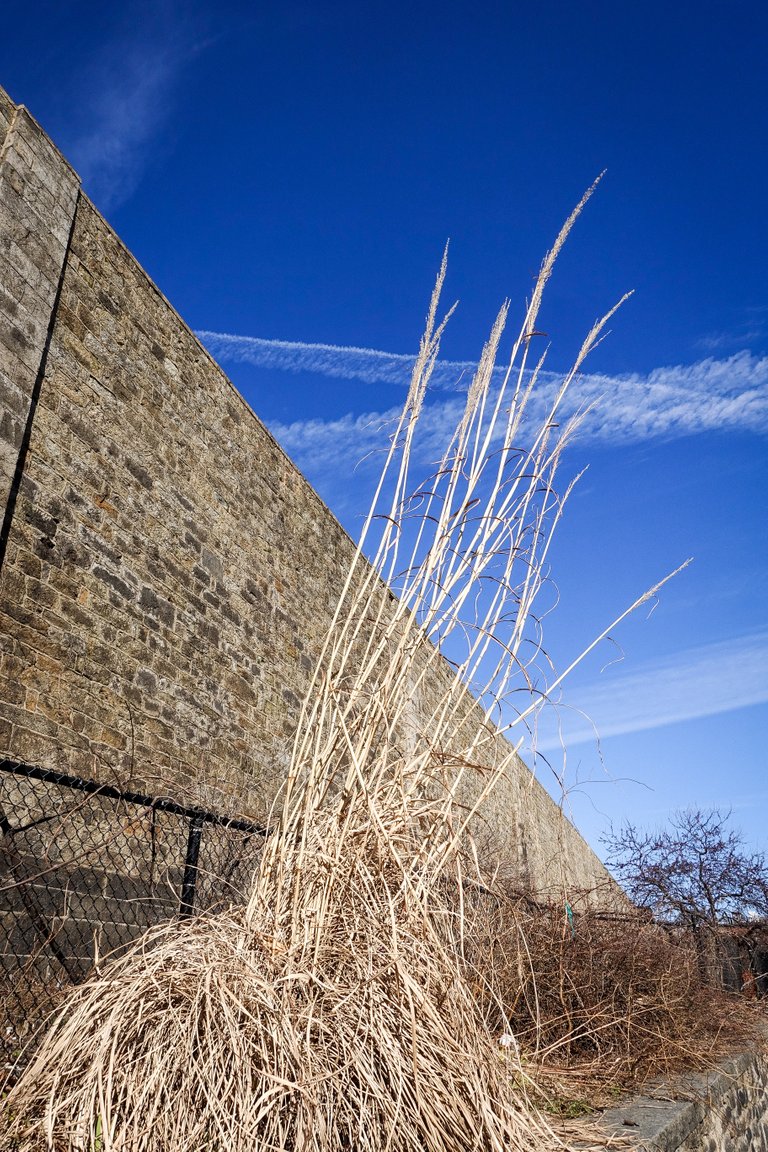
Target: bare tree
696	872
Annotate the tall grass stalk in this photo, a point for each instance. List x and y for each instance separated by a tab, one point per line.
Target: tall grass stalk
334	1012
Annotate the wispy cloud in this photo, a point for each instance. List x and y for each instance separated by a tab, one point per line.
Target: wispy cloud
712	394
320	445
697	682
745	331
123	99
721	341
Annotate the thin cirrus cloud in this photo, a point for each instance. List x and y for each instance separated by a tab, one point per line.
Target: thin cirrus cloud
697	682
125	94
729	393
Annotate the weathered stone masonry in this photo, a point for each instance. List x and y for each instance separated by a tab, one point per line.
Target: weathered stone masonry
38	193
724	1110
168	575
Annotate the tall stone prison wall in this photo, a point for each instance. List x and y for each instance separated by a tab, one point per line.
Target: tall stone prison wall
168	576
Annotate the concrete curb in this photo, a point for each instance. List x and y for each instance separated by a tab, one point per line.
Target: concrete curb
725	1110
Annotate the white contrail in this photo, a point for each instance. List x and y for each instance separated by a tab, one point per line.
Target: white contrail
338	361
670	401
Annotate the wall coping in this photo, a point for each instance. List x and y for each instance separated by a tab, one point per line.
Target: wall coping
672	1110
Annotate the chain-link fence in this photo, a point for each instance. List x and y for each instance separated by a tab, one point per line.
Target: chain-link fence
85	869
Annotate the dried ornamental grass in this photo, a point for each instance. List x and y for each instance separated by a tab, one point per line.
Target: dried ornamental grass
220	1035
334	1012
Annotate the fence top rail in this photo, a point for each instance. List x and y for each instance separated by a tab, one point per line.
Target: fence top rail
159	803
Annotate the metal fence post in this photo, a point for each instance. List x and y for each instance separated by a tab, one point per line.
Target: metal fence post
188	884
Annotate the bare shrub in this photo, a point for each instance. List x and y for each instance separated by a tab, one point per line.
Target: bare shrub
598	1001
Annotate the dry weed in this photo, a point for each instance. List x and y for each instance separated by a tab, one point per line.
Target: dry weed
599	1002
334	1011
355	1031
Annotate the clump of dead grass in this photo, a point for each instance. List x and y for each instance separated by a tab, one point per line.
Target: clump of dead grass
355	1032
334	1011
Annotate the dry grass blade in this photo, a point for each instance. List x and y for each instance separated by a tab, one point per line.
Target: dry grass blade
334	1012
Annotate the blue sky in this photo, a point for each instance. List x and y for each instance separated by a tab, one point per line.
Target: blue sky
289	174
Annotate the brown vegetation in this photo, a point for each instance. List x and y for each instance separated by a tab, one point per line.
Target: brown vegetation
599	1002
357	1002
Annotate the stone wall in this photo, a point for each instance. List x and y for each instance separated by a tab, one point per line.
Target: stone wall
38	192
722	1111
167	574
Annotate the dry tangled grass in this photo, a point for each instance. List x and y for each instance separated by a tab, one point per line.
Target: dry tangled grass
601	1001
335	1011
357	1032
